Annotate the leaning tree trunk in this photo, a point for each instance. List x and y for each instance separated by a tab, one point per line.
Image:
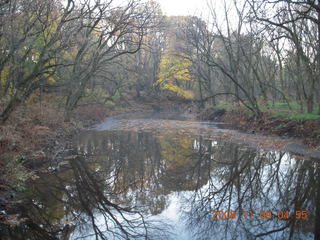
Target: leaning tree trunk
11	106
72	102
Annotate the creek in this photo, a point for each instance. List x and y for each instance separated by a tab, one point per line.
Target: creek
167	176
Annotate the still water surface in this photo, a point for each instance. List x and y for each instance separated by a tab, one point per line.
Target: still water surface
148	176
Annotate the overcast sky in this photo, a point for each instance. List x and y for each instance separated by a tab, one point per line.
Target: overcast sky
201	8
183	7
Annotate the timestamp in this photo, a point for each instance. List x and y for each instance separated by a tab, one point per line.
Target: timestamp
263	214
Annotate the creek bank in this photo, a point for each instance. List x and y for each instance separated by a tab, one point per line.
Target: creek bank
308	131
31	138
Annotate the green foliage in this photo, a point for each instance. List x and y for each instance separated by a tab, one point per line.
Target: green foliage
110	104
117	95
280	126
15	174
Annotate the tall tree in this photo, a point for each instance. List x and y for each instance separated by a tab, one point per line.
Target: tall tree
31	40
299	22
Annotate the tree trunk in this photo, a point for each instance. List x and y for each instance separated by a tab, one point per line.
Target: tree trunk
138	88
72	102
67	114
201	95
14	102
237	94
310	105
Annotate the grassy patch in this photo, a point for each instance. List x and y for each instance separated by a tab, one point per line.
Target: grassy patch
281	110
224	105
297	116
276	110
283	106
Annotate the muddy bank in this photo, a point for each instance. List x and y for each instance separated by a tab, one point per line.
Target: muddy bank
32	137
308	131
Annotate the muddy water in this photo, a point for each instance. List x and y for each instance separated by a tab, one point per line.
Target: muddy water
147	176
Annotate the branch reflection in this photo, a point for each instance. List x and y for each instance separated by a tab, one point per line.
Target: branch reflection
123	185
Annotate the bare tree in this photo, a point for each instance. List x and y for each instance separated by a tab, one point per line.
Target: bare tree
297	21
232	52
103	34
32	39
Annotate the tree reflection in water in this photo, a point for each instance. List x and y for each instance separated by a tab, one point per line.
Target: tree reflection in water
118	185
217	175
248	180
83	200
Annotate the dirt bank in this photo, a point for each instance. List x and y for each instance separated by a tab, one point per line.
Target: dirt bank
33	135
306	130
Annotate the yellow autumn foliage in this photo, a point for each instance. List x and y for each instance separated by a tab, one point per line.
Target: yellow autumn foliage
174	69
176	151
4	74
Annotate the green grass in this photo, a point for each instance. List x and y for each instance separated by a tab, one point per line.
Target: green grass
284	105
297	116
226	105
293	105
280	110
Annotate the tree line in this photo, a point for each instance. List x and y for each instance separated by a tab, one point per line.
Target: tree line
257	51
66	45
252	52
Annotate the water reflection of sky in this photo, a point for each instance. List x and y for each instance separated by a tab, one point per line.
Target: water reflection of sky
179	203
175	179
220	157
